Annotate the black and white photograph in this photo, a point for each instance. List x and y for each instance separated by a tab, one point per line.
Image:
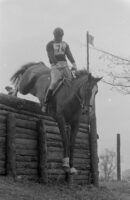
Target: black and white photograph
64	99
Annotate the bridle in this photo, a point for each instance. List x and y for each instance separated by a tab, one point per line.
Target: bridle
81	100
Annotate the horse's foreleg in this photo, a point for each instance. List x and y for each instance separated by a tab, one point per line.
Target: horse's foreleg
65	140
74	131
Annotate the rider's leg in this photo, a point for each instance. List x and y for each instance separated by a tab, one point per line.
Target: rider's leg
67	73
55	76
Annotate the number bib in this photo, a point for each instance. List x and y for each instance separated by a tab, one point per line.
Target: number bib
59	48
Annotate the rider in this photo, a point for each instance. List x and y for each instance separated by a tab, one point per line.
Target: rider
57	51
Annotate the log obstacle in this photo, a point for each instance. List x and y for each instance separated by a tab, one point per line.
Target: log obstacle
31	145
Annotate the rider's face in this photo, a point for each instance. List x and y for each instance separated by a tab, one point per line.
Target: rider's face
58	38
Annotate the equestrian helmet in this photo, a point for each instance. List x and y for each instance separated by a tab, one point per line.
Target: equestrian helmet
58	31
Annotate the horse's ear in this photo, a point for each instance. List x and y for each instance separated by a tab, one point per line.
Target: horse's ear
98	79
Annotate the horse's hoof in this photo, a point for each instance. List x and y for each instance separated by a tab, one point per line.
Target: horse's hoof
73	170
44	109
65	162
10	90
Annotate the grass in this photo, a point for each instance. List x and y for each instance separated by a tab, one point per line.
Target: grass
10	190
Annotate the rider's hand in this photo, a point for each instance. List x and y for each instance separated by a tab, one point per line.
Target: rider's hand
73	70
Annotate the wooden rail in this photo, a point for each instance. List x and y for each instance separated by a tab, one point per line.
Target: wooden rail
31	146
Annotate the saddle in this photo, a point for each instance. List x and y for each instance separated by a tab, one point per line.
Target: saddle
43	72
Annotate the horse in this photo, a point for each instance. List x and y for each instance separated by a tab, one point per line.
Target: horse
68	102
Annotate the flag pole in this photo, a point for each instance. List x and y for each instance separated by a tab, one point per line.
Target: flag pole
87	40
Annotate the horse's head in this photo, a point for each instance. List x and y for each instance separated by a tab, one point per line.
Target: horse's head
87	90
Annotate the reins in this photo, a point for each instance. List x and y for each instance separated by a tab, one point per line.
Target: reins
80	100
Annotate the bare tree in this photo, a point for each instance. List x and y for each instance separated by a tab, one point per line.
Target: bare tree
114	69
107	165
126	175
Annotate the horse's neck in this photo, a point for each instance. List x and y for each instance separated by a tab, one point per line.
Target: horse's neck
67	103
69	92
79	81
75	87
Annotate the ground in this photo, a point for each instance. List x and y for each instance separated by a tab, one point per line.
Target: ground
10	190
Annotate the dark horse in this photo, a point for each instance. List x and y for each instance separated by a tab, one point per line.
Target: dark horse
68	102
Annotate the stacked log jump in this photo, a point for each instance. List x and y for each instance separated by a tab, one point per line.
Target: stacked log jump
31	145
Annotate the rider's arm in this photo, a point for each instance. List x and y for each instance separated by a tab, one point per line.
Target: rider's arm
69	54
50	53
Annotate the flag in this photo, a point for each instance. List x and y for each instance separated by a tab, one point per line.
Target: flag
90	39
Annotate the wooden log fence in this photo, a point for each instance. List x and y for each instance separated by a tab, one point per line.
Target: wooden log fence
42	151
10	145
31	145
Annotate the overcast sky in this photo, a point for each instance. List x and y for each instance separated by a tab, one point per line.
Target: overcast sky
27	25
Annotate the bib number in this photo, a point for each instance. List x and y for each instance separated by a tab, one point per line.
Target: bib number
59	49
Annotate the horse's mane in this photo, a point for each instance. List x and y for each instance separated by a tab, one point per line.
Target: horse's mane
82	73
22	69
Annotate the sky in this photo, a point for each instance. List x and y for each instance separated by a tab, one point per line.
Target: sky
26	26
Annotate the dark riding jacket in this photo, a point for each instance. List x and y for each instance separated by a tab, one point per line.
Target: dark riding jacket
58	52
